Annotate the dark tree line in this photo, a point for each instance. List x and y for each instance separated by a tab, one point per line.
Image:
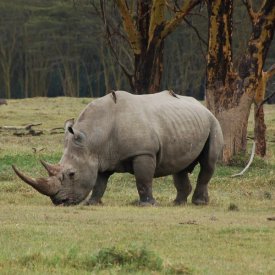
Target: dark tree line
58	47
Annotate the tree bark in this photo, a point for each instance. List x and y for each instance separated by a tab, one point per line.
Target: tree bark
230	93
260	130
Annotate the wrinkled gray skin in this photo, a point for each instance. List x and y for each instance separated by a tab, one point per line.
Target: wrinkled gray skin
145	135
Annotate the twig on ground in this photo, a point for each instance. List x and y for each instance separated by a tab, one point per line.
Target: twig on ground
249	163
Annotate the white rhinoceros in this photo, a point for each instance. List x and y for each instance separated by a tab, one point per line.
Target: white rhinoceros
146	135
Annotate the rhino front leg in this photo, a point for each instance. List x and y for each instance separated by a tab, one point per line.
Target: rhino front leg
99	188
144	169
183	186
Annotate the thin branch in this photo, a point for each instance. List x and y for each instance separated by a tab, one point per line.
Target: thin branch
156	18
249	163
170	25
124	69
129	26
270	72
107	29
267	75
196	31
251	13
265	100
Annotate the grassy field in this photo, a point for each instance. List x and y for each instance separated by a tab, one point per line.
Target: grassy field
231	235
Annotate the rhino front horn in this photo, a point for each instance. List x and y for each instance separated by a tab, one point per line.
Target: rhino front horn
48	187
52	169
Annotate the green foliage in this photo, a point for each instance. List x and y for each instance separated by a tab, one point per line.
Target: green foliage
132	260
241	160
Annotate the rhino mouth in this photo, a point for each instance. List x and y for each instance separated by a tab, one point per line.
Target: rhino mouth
63	202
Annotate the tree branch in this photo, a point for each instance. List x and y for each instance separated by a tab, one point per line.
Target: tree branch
170	25
130	29
265	100
196	31
266	77
108	33
156	19
251	13
270	72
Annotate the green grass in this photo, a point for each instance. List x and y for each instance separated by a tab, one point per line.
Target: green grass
229	236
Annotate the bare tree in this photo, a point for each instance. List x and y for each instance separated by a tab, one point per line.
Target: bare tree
145	28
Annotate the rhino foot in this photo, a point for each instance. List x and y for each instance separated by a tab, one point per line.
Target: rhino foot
94	202
149	202
200	199
200	196
180	202
200	202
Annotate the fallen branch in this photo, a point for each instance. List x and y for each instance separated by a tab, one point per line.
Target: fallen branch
24	130
57	130
36	150
249	163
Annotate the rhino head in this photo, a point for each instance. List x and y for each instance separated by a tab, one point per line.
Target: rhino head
72	179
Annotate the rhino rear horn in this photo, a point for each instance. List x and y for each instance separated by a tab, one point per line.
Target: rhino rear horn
52	169
48	187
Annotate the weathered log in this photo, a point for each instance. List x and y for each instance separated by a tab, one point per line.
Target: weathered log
57	130
23	130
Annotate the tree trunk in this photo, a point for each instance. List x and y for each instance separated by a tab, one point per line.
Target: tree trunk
259	130
230	93
233	120
149	61
148	70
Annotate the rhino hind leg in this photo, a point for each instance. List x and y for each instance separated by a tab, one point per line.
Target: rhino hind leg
183	186
99	189
207	161
200	196
144	169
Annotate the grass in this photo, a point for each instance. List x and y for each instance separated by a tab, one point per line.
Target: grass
229	236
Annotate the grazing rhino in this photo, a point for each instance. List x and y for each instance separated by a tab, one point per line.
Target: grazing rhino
145	135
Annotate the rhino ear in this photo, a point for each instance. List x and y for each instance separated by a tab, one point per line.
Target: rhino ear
79	137
70	129
68	124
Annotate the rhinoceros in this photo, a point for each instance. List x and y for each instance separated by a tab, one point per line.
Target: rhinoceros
148	136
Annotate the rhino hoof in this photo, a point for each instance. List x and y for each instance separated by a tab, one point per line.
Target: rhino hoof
200	201
180	202
150	202
94	202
